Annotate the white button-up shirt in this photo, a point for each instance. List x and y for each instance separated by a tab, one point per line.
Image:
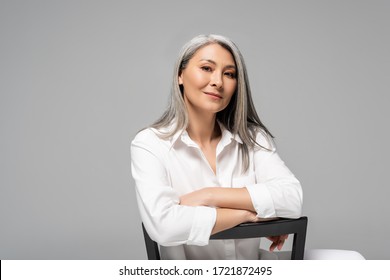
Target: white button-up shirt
164	170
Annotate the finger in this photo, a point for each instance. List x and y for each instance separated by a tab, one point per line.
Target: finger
273	238
280	244
270	238
276	238
273	246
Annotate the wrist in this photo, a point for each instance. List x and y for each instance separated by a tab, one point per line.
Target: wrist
250	217
209	197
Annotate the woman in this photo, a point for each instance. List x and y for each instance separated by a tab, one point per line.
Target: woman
209	163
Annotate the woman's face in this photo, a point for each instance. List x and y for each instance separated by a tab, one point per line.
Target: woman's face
209	80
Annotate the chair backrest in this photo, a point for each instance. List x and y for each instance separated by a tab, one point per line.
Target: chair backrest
277	227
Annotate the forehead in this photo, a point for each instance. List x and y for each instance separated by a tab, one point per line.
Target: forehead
214	52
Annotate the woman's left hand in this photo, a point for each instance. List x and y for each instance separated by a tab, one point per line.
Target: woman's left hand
277	242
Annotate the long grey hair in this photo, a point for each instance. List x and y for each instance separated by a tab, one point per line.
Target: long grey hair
239	117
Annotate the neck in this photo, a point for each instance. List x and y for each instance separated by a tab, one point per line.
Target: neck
203	128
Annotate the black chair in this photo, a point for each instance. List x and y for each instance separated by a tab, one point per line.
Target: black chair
251	230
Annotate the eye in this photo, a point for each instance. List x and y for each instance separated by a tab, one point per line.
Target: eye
206	68
231	75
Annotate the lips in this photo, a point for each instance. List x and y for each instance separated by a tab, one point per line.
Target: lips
216	95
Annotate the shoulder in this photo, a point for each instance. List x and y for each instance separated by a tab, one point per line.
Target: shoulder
148	135
151	139
144	135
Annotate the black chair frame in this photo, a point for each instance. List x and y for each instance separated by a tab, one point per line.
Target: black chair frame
281	226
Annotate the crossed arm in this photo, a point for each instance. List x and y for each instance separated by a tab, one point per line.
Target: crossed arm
158	199
234	206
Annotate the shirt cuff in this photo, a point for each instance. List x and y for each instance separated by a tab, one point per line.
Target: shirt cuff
262	200
202	225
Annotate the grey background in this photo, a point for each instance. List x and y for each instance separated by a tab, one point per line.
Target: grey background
78	79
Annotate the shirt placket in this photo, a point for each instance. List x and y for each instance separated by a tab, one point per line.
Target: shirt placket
229	244
192	144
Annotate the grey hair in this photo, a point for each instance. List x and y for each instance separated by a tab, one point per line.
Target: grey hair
239	117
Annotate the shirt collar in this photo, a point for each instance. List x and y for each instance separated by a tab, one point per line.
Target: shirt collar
226	137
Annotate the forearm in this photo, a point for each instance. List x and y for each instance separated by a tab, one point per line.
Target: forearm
234	198
234	205
228	218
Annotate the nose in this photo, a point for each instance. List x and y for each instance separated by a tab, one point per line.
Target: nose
216	80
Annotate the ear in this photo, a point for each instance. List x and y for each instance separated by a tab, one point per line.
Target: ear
180	79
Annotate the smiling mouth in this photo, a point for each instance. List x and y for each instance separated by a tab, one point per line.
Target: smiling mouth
215	95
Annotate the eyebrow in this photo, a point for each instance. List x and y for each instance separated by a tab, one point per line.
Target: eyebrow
213	62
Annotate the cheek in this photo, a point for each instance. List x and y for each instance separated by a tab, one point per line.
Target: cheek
201	79
196	79
231	88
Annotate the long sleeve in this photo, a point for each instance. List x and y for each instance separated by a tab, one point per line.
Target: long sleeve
167	222
276	193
